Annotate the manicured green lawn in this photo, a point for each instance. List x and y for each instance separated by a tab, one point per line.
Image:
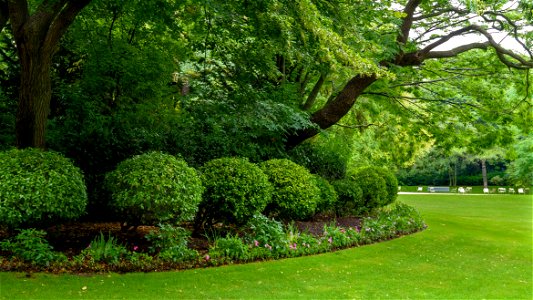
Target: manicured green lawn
475	247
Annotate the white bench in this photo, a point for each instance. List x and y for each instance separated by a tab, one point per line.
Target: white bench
434	189
461	190
502	190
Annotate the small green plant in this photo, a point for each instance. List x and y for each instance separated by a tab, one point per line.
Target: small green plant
39	187
170	243
31	246
264	232
235	190
295	193
105	250
340	237
153	188
230	247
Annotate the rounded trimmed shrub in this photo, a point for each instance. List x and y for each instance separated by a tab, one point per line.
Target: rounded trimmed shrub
391	183
350	197
235	191
295	194
39	187
373	187
328	196
154	187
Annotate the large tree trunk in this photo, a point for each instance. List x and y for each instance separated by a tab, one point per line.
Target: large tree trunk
334	110
34	97
4	14
37	37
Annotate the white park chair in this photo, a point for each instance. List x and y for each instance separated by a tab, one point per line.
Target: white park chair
485	190
502	190
419	189
521	191
511	191
461	190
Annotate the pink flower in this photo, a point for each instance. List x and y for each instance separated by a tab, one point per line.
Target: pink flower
330	240
135	248
293	246
207	257
343	230
256	243
268	246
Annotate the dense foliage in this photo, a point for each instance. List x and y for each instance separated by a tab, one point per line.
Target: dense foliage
328	196
220	79
153	188
235	191
38	187
350	197
373	187
391	183
295	194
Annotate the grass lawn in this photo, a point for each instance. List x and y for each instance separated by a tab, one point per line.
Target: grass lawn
475	247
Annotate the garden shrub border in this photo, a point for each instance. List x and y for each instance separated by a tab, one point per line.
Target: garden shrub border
390	222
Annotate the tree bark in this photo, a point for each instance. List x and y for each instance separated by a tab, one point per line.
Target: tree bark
484	173
36	37
4	14
334	110
34	97
314	93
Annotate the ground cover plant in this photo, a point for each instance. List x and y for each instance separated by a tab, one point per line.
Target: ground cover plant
476	247
166	247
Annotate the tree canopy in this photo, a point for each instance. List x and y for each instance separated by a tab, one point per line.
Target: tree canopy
255	78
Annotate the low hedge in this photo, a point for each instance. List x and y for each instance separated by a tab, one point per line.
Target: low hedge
154	187
39	187
235	191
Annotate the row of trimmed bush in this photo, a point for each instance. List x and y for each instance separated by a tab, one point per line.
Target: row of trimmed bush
39	187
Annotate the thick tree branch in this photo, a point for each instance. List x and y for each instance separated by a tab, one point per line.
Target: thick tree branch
457	50
446	38
512	24
502	53
407	23
314	93
64	19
